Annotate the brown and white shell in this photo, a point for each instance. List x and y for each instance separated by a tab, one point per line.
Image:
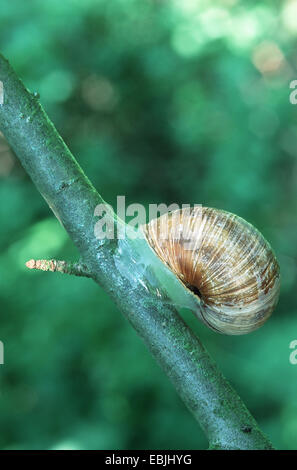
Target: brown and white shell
224	261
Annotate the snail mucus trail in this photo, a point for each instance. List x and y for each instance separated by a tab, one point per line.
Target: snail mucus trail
223	261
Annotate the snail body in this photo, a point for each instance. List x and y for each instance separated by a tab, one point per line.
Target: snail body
223	261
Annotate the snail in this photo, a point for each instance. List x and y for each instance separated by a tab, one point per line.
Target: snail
223	261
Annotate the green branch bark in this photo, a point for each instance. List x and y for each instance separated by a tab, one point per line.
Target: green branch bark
221	413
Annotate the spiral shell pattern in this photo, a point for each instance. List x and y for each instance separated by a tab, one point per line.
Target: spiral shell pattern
224	261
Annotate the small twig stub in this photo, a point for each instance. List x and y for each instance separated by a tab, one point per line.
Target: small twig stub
53	265
1	93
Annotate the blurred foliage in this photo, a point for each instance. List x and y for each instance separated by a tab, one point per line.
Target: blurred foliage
162	101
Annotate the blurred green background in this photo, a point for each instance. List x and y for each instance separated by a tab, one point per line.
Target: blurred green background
180	101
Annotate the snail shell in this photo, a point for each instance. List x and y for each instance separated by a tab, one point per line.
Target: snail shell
224	261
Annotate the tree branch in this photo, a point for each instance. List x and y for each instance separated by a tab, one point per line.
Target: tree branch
127	269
